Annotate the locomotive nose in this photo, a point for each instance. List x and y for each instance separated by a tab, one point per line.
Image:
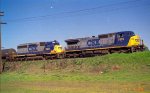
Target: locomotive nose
134	41
58	49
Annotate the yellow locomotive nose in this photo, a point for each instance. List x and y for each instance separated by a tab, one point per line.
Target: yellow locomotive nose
134	41
57	49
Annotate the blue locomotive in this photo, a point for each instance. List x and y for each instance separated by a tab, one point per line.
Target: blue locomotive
39	49
119	41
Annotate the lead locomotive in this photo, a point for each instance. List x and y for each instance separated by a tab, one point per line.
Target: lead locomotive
125	41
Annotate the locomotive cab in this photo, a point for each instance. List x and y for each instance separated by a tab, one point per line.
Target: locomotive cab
129	39
57	48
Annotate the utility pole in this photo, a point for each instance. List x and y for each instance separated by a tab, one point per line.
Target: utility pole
1	64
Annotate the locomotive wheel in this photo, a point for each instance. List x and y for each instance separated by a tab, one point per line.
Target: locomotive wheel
74	55
44	57
60	56
132	50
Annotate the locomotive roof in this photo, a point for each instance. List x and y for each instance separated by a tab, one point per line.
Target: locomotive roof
8	50
117	32
36	43
28	44
124	32
72	40
77	39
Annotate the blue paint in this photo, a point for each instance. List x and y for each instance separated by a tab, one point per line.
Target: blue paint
49	46
124	39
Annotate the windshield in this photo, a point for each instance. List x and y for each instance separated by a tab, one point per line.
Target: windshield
60	48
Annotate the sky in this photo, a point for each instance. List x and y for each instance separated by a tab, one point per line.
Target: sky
47	20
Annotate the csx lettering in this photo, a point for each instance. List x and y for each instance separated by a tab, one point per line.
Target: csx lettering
93	42
121	39
32	48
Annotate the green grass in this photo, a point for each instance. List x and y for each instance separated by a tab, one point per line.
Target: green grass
120	73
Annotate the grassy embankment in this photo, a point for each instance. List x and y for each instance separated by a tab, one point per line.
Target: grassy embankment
115	73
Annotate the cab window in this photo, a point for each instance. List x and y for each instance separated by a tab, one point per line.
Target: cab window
129	34
60	48
56	43
120	35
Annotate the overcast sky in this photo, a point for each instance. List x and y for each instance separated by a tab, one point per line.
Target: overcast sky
47	20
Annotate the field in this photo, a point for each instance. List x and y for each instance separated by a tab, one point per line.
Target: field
114	73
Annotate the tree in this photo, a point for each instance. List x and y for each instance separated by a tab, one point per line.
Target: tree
146	48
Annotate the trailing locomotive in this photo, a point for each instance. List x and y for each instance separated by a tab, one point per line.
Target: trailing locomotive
125	41
39	50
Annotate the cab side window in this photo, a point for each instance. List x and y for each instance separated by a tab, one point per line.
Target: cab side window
120	35
129	34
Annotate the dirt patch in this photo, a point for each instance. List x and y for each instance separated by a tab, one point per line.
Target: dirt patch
115	67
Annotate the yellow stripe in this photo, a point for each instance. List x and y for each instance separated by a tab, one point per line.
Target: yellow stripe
72	50
99	48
